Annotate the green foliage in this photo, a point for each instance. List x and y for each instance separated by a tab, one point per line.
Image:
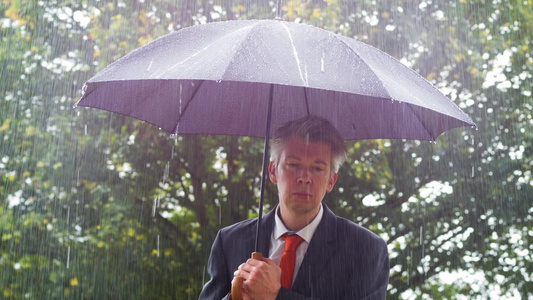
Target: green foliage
95	205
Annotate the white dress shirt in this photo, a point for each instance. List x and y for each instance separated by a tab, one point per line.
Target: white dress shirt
277	244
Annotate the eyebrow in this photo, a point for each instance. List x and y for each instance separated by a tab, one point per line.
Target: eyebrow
316	161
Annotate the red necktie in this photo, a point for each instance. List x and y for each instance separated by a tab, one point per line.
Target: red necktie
288	259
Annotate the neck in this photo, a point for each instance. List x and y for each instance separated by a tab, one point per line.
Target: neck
296	221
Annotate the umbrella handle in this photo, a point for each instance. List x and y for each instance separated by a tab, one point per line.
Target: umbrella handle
236	288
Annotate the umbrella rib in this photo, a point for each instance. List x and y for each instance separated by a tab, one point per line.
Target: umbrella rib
366	64
187	106
421	122
304	80
242	41
200	51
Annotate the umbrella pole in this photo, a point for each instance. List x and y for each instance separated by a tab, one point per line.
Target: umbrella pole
236	285
265	170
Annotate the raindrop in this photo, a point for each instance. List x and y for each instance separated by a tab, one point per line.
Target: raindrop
68	257
472	171
158	245
167	171
85	129
154	207
203	275
322	62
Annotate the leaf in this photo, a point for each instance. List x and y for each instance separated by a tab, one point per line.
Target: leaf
5	125
74	281
30	131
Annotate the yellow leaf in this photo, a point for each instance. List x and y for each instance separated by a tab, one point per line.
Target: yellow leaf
74	281
58	165
12	13
5	125
239	9
100	244
89	184
169	252
131	231
116	17
30	131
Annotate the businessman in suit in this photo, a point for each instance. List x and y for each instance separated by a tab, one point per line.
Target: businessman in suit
334	257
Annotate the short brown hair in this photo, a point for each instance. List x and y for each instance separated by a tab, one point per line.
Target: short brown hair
313	129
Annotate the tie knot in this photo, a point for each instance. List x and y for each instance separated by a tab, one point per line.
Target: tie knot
292	241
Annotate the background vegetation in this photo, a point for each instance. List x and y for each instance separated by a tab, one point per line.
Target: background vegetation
97	206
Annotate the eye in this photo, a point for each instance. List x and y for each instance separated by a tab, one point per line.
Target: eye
317	169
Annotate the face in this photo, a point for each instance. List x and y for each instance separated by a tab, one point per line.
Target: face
303	176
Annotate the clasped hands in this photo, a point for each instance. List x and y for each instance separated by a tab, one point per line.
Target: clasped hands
261	279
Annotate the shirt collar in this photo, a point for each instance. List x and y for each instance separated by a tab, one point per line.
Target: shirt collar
305	233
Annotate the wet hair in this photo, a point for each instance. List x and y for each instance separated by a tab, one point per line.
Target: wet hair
313	129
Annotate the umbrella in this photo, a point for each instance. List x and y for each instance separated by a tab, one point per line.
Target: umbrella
244	77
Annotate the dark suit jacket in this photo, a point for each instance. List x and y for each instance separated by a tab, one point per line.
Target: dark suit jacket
343	261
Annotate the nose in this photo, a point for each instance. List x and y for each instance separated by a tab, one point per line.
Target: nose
304	177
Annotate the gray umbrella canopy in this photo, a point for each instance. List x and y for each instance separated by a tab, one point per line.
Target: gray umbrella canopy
219	78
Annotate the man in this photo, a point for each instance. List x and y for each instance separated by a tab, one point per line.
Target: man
335	259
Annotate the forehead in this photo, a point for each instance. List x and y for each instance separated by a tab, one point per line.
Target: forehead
300	149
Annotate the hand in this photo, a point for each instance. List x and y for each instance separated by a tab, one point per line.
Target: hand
261	279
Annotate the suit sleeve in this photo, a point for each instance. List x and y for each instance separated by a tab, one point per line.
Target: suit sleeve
379	280
218	287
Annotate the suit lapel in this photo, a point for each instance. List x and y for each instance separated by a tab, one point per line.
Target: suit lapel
318	253
248	243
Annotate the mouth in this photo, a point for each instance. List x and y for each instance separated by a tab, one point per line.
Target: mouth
302	194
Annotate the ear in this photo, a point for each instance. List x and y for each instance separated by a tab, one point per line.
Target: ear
272	172
331	182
